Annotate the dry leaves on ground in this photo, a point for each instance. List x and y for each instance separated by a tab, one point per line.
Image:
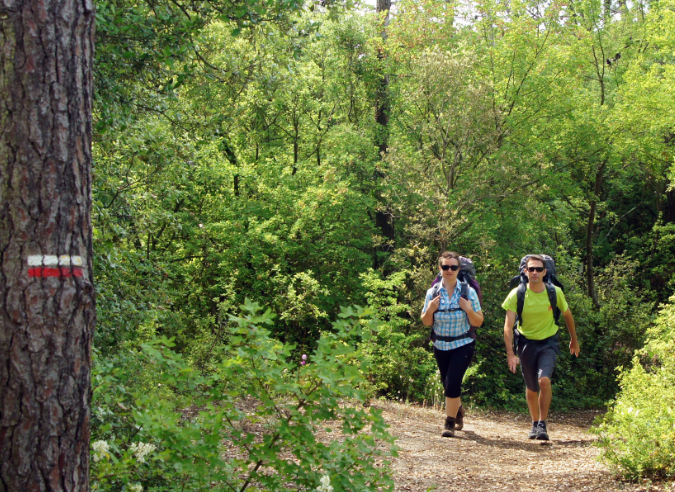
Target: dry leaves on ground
493	453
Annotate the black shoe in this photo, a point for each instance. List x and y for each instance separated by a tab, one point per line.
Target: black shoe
449	427
459	420
533	431
542	435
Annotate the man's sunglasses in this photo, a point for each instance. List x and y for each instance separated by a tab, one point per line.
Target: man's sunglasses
535	269
454	268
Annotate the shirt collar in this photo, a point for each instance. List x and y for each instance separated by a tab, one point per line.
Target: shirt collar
458	288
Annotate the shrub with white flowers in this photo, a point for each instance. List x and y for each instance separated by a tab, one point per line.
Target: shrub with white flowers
325	485
259	380
141	450
101	449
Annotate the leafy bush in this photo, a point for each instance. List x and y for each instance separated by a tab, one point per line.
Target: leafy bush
609	335
399	363
262	420
638	433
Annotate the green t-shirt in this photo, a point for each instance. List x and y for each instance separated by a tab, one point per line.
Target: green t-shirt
537	322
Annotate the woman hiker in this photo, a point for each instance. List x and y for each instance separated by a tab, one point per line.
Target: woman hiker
452	317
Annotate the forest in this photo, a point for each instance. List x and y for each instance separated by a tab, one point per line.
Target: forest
273	184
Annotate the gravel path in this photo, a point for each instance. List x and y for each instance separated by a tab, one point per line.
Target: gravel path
493	453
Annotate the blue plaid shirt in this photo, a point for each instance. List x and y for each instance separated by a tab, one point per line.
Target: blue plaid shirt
451	323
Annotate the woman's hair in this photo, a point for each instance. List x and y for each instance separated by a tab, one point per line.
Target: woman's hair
446	256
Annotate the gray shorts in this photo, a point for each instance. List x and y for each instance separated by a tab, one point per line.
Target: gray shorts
537	359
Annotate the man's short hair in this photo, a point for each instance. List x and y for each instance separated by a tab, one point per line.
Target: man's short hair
446	256
536	258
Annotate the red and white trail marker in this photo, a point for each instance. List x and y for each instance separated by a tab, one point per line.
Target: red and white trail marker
54	266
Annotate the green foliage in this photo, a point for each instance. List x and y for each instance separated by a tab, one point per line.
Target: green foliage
236	156
637	435
608	336
262	420
232	205
657	251
400	363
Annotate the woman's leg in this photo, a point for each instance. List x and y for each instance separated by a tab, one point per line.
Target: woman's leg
460	358
452	365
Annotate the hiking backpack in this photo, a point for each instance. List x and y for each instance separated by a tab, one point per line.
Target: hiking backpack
466	278
550	282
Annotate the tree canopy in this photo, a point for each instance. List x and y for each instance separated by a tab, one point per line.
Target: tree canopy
239	158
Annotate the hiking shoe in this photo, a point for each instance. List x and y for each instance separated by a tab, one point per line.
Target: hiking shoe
542	435
459	420
449	427
533	431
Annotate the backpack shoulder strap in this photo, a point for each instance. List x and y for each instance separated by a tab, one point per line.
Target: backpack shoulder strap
520	300
464	290
435	289
553	299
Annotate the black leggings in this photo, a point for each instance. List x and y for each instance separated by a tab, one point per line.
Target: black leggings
453	364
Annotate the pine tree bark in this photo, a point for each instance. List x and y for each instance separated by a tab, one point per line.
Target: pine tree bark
47	310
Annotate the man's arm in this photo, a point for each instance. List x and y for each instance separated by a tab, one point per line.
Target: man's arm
511	358
574	343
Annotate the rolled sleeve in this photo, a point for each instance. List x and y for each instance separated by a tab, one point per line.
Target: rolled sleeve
427	298
475	303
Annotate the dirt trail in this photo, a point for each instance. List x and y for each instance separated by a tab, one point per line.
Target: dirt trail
493	453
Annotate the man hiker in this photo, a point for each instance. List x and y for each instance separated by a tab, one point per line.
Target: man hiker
537	341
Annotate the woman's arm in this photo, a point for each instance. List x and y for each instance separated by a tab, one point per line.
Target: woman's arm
470	306
475	317
431	308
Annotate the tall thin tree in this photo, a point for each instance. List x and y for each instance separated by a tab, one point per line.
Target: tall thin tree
47	310
383	217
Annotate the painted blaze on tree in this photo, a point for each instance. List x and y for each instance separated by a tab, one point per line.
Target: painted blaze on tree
46	289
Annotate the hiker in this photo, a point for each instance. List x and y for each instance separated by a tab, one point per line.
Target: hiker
537	338
452	317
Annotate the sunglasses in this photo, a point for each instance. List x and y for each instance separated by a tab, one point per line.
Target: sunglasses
535	269
454	268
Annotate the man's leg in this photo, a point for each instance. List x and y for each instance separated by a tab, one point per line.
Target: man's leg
532	403
545	394
546	366
528	354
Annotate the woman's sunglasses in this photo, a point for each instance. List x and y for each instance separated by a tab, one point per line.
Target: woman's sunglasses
535	269
454	268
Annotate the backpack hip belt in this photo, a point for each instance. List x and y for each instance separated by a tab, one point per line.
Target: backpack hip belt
439	338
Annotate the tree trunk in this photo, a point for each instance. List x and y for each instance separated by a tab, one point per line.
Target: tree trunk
382	109
296	145
590	279
669	206
46	285
383	218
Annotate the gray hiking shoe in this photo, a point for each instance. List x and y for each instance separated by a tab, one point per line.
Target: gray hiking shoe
459	420
449	427
542	435
533	431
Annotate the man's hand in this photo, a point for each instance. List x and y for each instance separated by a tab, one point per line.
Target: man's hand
574	347
434	304
513	361
466	305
